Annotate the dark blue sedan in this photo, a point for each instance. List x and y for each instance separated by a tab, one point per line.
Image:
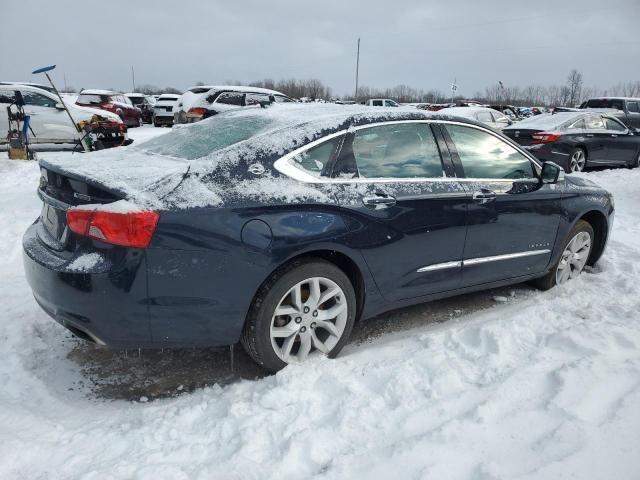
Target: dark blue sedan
281	227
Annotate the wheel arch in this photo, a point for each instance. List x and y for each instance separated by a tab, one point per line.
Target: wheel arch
600	225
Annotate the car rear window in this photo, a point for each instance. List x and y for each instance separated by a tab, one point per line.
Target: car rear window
633	107
206	137
92	99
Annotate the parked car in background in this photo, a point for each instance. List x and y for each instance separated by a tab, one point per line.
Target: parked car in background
381	102
626	109
203	102
575	140
509	110
163	109
49	122
281	227
488	116
112	102
145	103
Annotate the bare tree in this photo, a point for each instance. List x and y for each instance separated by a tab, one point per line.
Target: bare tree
574	86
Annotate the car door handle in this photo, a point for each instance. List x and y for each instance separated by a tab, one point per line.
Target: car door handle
613	135
379	201
484	196
589	135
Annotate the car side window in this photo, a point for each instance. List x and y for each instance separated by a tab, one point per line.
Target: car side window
594	122
614	125
281	99
376	103
315	160
484	117
37	100
580	124
254	99
230	98
486	156
396	151
633	107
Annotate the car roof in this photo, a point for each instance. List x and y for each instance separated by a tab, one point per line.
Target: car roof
24	86
98	92
462	110
636	99
135	94
236	88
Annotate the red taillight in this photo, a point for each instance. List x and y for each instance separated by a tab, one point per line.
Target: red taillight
198	111
545	137
128	229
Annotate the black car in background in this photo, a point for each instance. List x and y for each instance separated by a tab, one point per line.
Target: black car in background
577	139
145	103
280	227
626	109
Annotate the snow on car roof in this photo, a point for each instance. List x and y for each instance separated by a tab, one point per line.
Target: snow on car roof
166	172
134	94
546	120
236	88
97	92
169	96
465	111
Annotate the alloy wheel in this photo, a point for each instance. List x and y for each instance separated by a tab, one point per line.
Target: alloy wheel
574	257
311	316
577	161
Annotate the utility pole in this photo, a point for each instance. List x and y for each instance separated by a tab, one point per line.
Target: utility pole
357	69
133	79
454	87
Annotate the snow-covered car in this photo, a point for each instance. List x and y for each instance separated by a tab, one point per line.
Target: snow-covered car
488	116
201	102
163	109
49	121
280	227
112	102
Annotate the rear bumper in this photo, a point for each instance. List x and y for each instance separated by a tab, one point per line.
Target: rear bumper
104	303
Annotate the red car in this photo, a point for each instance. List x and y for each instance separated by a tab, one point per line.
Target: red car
112	102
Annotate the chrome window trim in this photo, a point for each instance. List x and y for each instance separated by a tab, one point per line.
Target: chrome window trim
481	260
284	166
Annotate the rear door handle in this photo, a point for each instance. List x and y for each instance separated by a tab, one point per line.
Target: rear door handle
484	196
614	135
379	201
589	135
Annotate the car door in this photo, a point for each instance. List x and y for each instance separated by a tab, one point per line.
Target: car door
633	114
49	124
405	208
513	218
596	139
621	143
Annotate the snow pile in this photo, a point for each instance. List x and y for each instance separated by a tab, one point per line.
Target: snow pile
542	386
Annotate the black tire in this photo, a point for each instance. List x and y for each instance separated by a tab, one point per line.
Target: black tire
635	163
156	124
576	151
256	338
549	280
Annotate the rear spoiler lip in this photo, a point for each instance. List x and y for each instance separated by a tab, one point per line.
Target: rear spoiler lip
89	181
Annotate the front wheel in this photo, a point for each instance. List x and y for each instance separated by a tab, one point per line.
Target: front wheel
307	308
575	254
577	160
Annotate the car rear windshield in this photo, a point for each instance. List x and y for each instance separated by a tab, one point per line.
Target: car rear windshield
136	100
92	99
206	137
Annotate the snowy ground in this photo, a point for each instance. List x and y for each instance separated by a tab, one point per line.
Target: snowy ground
540	386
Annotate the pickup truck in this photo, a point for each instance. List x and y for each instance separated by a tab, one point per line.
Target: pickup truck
626	109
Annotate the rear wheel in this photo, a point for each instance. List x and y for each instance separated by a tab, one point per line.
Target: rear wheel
307	308
575	254
635	163
577	160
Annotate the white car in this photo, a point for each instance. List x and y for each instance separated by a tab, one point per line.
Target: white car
201	102
488	116
382	102
163	109
49	122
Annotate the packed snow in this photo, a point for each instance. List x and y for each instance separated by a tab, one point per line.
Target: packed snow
540	385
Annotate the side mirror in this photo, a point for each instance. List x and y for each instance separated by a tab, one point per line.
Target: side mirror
59	106
551	173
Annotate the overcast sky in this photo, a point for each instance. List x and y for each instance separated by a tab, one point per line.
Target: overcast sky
424	44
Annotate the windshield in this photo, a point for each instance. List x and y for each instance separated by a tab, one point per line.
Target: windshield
206	137
604	103
136	100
